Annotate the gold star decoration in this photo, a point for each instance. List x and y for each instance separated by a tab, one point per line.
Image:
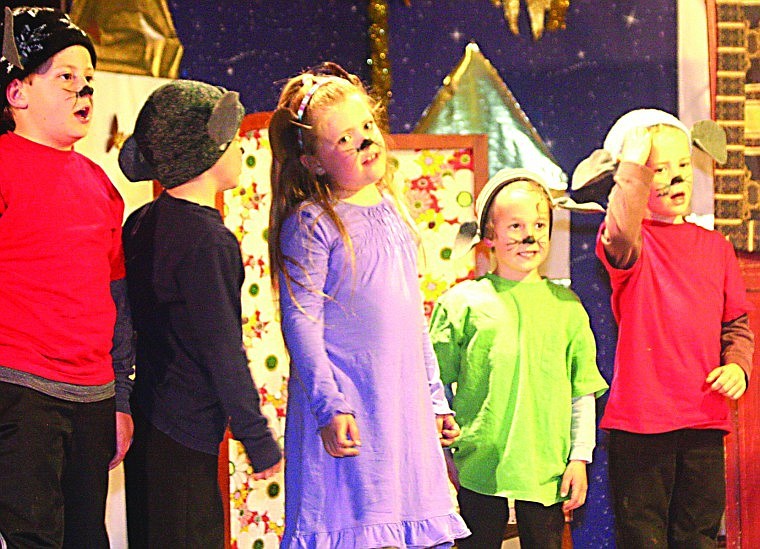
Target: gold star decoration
544	14
116	138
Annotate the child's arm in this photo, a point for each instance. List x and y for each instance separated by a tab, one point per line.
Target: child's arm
442	345
628	199
582	442
123	359
306	246
737	342
209	283
437	392
737	345
448	429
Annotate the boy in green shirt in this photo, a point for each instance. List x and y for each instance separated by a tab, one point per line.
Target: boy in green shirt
521	351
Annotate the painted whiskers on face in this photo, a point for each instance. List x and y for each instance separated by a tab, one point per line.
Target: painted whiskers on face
520	238
672	187
542	241
350	149
53	105
668	189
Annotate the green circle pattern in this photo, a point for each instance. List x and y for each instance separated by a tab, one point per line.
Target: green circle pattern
464	199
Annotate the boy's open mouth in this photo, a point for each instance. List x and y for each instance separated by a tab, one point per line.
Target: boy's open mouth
84	113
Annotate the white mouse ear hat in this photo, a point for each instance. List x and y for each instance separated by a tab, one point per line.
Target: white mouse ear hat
471	232
707	135
640	118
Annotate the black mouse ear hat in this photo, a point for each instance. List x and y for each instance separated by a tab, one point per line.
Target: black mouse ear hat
31	36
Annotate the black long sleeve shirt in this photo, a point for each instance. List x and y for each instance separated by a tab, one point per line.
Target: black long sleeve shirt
184	275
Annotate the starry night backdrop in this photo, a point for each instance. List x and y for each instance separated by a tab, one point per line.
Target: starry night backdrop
572	84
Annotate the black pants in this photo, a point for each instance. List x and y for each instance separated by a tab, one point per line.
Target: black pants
54	458
668	489
539	527
172	493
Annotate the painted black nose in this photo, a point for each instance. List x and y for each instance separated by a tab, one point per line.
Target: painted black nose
365	145
528	240
87	90
677	179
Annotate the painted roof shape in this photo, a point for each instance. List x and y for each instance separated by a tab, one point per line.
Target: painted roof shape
475	100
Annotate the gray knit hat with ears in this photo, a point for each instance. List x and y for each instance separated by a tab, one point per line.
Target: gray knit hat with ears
182	130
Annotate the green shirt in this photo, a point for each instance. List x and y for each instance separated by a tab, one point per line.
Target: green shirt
519	353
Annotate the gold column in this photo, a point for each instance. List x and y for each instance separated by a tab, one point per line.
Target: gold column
379	61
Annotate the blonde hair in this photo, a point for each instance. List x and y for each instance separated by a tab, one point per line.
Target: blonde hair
294	187
527	185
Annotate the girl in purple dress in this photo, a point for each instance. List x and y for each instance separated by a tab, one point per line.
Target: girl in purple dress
366	414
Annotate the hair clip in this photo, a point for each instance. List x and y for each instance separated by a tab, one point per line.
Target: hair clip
302	109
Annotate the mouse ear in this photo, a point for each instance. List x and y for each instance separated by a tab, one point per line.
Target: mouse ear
225	119
710	136
283	138
466	238
598	166
10	51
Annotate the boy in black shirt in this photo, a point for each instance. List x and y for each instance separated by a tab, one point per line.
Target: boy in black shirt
184	274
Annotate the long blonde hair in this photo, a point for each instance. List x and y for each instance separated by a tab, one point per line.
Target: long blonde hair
291	135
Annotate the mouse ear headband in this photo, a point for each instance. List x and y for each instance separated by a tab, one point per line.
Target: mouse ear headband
286	126
707	135
472	232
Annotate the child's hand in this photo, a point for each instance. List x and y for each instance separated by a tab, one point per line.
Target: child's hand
125	428
575	483
637	144
448	429
728	380
267	473
340	437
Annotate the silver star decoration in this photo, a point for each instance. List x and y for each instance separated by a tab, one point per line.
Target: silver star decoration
630	19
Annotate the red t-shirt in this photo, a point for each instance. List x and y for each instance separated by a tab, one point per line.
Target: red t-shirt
60	247
669	307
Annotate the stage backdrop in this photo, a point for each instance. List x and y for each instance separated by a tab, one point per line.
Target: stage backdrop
572	84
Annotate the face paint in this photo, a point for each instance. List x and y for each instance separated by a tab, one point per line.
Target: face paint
86	90
672	186
665	191
365	145
530	239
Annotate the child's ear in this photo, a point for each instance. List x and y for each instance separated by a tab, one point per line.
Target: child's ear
311	163
488	242
15	94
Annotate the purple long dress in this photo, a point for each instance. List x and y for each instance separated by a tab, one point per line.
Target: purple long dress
359	344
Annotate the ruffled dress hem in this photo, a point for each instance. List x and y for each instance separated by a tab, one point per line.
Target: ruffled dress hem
436	532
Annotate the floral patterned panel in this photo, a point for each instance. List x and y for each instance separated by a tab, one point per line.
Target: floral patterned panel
439	187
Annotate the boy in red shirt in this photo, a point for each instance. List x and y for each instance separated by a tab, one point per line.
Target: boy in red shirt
684	342
65	333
